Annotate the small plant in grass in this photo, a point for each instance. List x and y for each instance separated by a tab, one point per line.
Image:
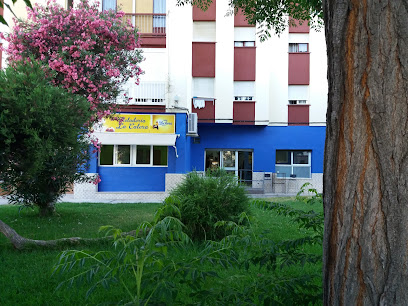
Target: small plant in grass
205	200
142	255
140	263
160	265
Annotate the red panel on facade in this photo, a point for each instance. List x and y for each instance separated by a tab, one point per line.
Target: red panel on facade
206	114
203	59
299	67
244	113
208	15
244	63
131	108
304	28
298	114
240	20
153	41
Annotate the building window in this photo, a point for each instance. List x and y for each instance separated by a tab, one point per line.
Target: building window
122	155
106	155
296	102
244	44
109	5
294	164
244	98
237	162
298	48
142	155
133	155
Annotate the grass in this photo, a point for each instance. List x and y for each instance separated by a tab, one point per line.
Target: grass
25	276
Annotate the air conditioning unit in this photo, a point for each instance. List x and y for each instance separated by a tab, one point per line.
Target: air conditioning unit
192	129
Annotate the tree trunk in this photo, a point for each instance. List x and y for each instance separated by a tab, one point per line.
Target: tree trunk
365	249
21	243
47	209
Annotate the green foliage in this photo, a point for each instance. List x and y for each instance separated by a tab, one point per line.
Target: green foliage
160	265
42	136
142	254
202	201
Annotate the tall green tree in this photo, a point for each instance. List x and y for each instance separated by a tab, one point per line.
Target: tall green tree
44	147
365	245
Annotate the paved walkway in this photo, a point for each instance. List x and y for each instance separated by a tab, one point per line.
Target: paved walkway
70	198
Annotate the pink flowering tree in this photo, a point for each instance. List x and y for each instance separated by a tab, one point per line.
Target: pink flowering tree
93	53
84	52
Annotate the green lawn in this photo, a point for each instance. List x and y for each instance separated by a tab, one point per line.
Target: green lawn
25	276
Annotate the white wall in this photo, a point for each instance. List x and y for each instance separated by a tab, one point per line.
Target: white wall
318	78
224	64
277	54
179	37
174	64
154	65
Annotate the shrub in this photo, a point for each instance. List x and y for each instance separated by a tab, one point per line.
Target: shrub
158	265
205	200
44	146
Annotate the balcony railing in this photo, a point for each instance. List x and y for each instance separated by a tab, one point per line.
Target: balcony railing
148	23
146	93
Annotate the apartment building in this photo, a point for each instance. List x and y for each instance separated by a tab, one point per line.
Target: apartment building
214	95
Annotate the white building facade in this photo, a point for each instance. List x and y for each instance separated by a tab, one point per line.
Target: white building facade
260	106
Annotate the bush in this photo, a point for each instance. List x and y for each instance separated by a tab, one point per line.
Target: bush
203	201
43	142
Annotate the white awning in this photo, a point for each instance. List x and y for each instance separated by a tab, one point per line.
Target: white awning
137	139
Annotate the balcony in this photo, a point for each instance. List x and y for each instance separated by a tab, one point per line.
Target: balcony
205	113
146	97
151	26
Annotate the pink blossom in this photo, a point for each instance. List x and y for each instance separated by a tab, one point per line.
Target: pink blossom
96	180
67	41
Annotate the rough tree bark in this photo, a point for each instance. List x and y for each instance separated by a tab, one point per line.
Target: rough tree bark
365	248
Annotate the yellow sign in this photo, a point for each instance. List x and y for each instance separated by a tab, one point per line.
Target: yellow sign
157	124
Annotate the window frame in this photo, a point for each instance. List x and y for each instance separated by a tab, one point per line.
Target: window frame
133	150
297	48
298	102
291	165
221	160
104	5
244	99
244	43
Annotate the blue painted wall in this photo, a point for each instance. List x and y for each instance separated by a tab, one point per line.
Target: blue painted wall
132	178
263	140
180	164
93	161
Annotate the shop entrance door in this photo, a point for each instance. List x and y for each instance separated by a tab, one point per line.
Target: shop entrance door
244	167
237	162
229	161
